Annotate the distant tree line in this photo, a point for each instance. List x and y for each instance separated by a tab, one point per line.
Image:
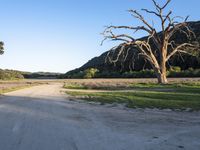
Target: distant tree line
16	75
41	75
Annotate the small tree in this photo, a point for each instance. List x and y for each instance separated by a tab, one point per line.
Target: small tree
90	73
1	48
158	47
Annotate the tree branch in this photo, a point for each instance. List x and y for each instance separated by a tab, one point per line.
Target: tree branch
141	18
181	48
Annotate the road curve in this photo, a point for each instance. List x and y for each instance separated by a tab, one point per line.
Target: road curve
43	118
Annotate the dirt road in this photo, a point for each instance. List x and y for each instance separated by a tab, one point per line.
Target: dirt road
42	118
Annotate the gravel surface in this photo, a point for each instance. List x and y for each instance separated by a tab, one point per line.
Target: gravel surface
43	118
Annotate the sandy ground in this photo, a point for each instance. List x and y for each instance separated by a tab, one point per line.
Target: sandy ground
42	118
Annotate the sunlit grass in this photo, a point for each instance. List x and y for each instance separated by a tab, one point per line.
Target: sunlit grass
148	95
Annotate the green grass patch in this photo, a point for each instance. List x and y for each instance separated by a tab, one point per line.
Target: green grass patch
145	99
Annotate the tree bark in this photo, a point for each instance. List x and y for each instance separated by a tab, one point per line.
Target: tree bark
162	78
161	75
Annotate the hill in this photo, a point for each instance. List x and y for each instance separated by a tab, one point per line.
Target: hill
10	74
107	69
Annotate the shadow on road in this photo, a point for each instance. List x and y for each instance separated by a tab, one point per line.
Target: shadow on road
55	123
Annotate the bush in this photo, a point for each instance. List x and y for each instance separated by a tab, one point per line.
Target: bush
185	73
139	74
90	73
175	69
108	74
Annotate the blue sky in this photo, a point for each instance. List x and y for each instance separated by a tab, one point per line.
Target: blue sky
60	35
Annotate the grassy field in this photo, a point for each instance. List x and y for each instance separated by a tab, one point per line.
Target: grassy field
178	94
134	93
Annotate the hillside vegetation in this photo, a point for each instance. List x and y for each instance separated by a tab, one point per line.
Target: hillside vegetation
173	71
10	75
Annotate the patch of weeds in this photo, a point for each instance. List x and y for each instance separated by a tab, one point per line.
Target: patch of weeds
74	86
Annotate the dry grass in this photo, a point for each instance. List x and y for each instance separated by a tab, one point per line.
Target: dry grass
8	86
120	84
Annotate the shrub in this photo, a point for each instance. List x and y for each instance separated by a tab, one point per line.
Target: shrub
175	69
90	73
139	74
185	73
109	74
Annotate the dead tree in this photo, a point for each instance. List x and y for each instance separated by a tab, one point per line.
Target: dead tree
158	47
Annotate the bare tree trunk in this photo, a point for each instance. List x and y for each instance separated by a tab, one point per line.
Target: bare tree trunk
162	76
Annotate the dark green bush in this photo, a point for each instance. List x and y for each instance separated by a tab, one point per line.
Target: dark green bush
185	73
175	69
108	74
139	74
